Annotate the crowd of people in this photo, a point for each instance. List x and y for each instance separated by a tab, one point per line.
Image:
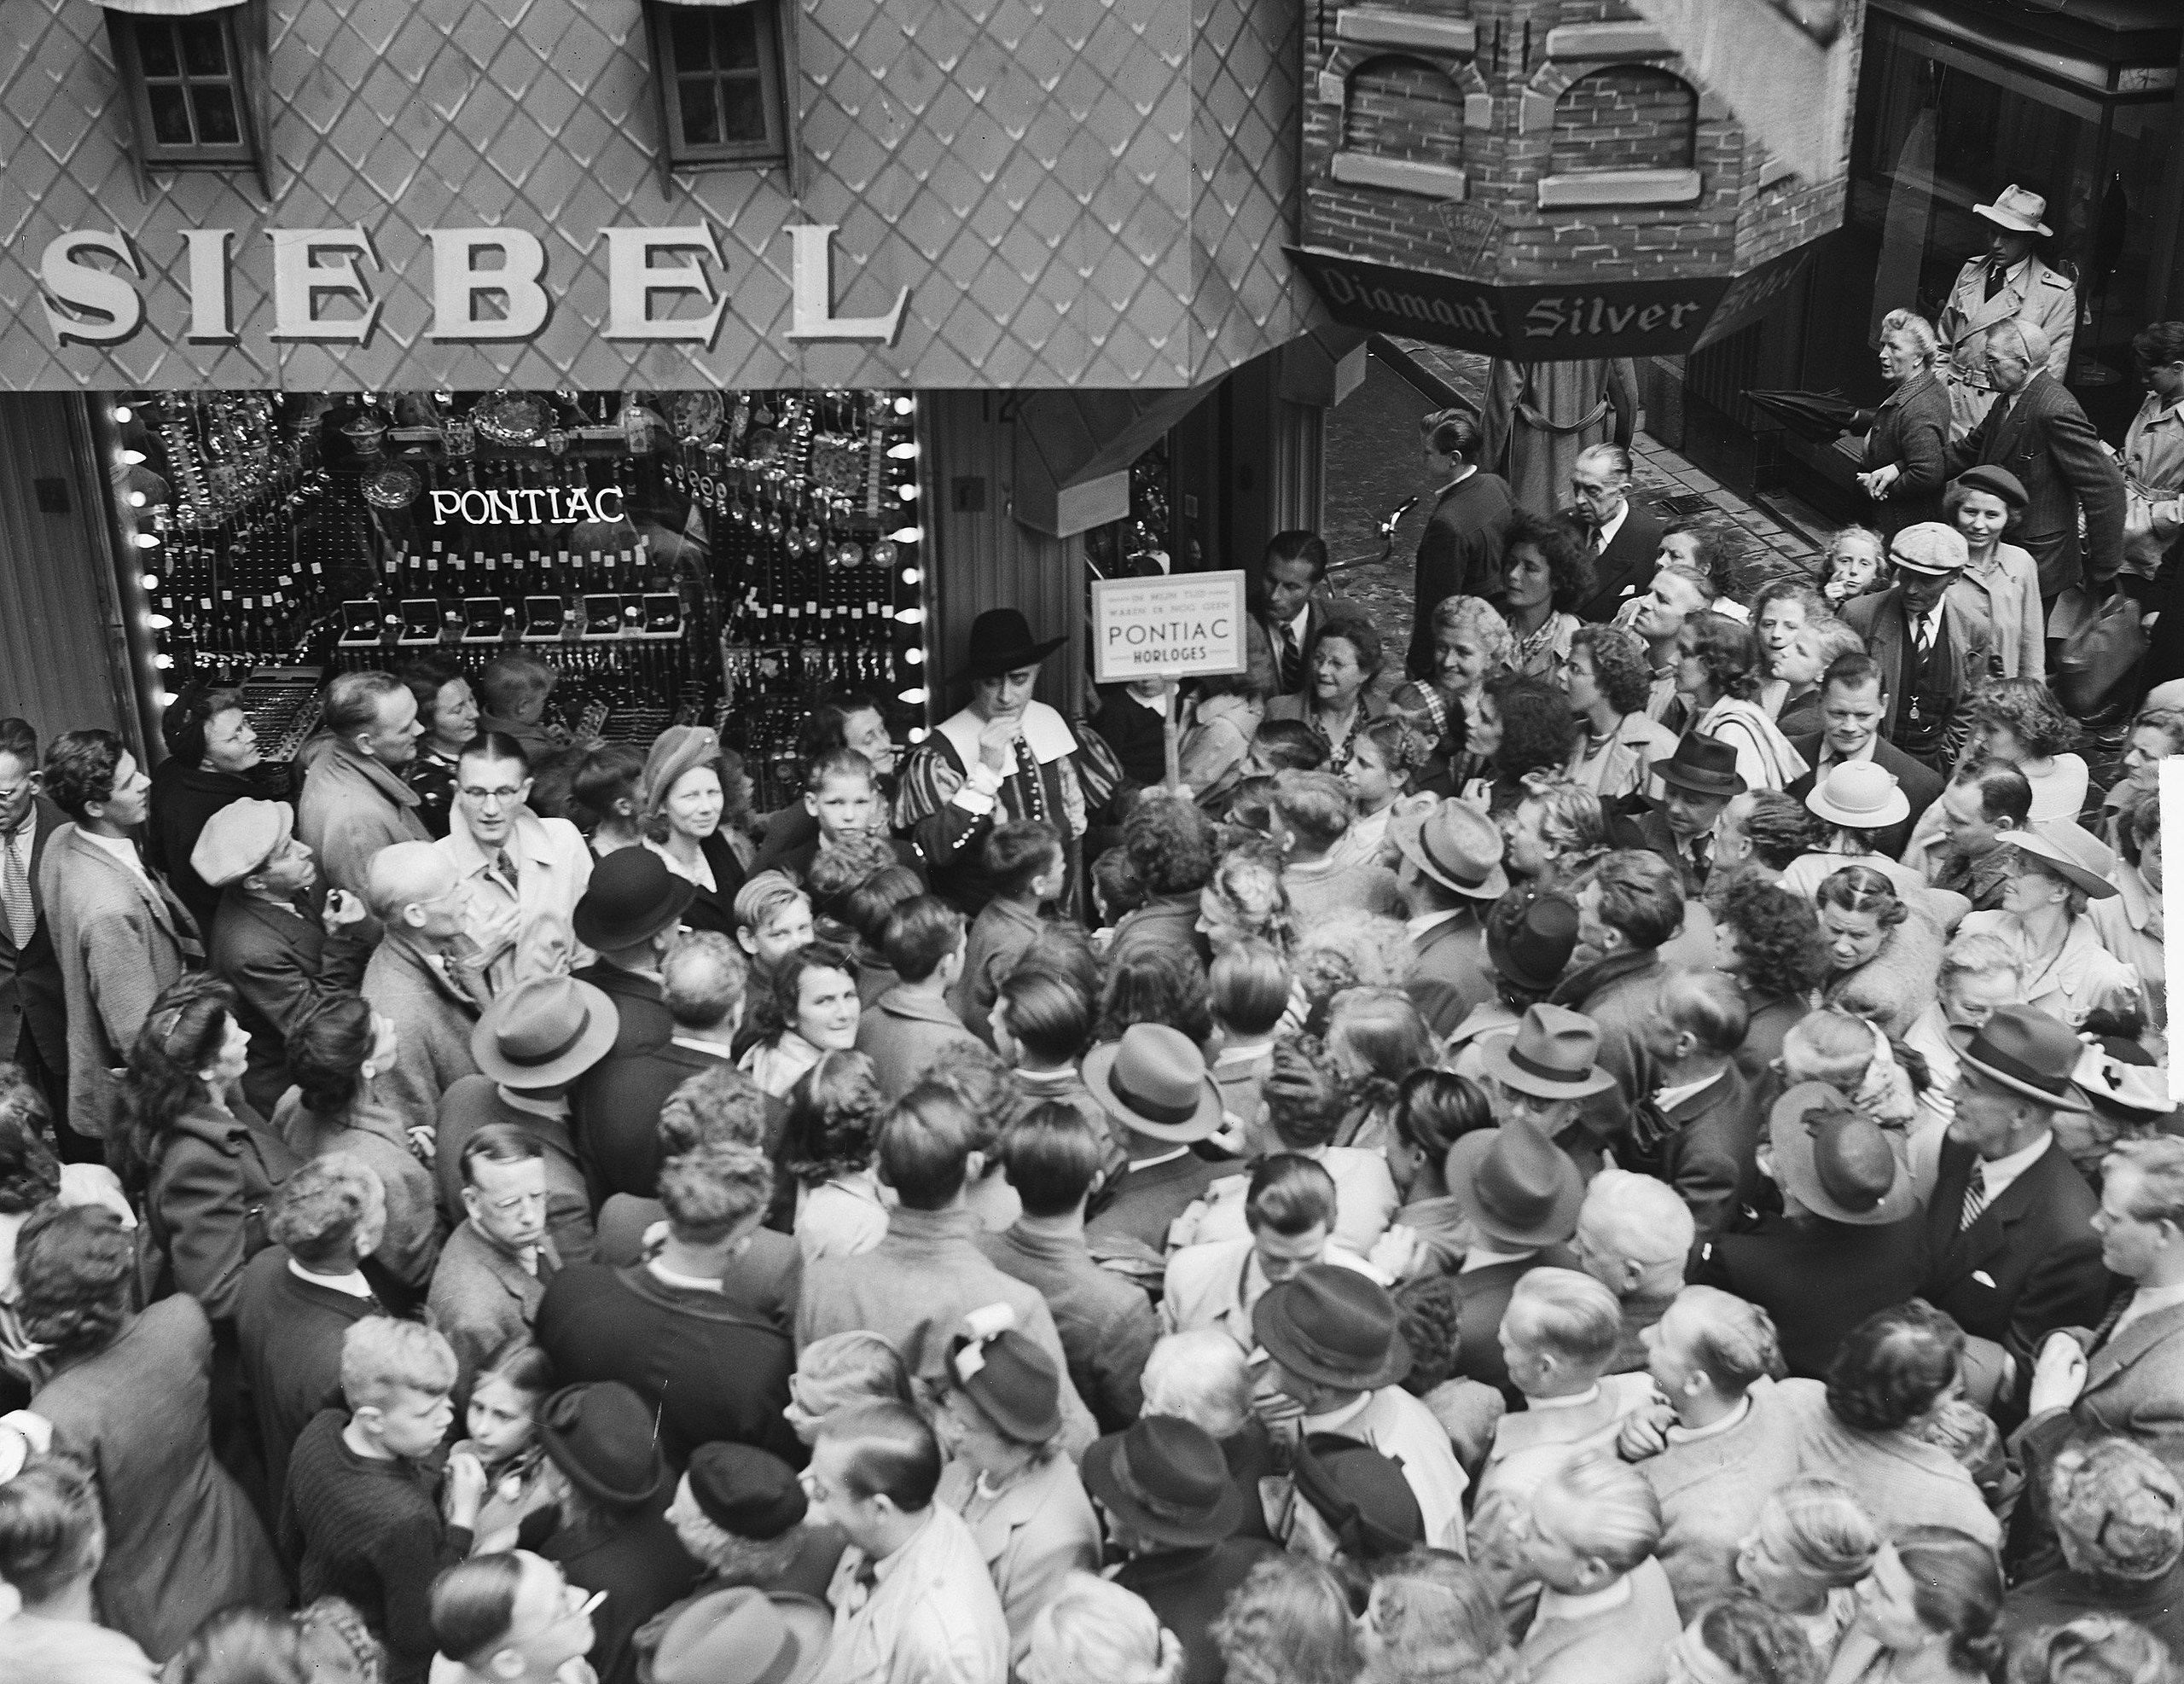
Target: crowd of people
1633	1143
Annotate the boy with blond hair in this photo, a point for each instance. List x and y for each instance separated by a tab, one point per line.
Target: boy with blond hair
362	1516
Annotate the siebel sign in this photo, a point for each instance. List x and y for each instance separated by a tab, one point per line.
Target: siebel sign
323	294
1541	324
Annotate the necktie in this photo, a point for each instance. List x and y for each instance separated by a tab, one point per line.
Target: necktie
1998	277
1702	857
1293	660
506	867
1975	1197
1925	637
16	902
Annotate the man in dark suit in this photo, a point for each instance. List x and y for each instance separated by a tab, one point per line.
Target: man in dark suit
1699	1128
1854	706
2036	430
1850	1240
1173	1511
708	1367
34	1009
1452	875
1521	1193
702	984
1931	656
1291	582
1623	540
1164	1175
629	916
301	1294
2012	1254
283	957
1697	782
1460	552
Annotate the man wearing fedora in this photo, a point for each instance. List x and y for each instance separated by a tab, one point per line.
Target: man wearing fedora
1451	874
630	916
1154	1087
2036	430
1519	1191
1331	1336
1849	1241
2012	1252
608	1531
1170	1508
283	957
1003	757
1855	706
1929	657
531	1045
913	1603
2006	282
1698	782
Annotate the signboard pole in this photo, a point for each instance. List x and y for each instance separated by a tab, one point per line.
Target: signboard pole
1171	704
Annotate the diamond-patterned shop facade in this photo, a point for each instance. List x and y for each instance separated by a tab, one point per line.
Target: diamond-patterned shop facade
1076	192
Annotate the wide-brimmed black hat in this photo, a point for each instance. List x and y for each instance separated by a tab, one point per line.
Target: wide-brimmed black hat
632	897
1703	765
1165	1479
1530	942
600	1434
1333	1325
1001	641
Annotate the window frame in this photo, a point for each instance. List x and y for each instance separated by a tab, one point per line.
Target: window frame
243	28
777	70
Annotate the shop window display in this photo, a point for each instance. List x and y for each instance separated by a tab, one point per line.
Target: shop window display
715	557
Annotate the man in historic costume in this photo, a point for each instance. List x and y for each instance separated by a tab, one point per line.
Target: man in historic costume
1540	415
1004	757
2005	283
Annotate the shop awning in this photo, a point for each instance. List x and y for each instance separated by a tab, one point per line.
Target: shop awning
168	9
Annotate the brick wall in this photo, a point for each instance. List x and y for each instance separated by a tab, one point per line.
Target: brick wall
1401	107
1629	117
1647	113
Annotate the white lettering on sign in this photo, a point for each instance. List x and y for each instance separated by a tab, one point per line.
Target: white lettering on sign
811	271
458	284
300	280
210	320
90	285
84	302
1186	625
548	506
632	279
